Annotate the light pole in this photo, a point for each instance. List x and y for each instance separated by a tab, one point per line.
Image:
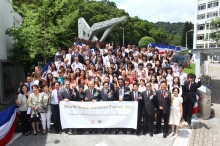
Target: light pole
123	35
186	36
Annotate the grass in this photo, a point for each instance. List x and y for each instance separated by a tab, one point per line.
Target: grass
191	69
184	52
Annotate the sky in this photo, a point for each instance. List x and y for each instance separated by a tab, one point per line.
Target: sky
159	10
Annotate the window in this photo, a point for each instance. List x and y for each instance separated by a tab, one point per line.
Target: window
201	27
200	37
213	4
207	26
212	14
202	6
202	16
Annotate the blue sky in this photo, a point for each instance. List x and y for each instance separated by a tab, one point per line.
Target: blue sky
159	10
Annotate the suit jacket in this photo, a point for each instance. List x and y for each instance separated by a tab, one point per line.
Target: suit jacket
190	93
165	102
139	100
149	103
65	95
96	94
81	59
127	94
109	97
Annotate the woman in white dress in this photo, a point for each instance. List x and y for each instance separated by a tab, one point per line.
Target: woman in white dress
176	83
175	111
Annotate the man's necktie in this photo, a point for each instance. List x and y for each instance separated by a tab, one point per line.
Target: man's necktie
162	96
147	94
58	96
190	84
29	87
91	95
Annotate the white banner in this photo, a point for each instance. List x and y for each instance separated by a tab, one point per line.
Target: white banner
109	114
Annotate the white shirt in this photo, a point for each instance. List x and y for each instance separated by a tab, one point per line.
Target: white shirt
182	76
175	69
128	50
141	88
107	59
68	56
58	64
77	65
54	99
121	92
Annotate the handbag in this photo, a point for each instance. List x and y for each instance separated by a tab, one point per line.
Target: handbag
43	108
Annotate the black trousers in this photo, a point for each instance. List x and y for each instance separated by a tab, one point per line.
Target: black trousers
187	109
166	119
139	118
148	122
26	125
56	117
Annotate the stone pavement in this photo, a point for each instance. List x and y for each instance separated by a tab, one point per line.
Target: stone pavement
209	133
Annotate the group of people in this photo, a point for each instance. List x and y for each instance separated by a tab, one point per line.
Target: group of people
164	93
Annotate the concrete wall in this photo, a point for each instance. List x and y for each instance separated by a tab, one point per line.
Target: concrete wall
8	18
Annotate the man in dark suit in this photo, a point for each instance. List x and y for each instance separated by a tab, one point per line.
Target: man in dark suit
107	95
189	96
76	54
67	94
150	103
163	108
122	94
136	96
92	95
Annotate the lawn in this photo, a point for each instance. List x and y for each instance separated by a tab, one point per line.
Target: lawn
191	69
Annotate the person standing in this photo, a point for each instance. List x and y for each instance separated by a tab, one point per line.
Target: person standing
33	102
122	94
182	76
29	83
46	107
67	94
22	102
175	111
55	100
107	95
163	108
136	96
92	95
189	96
150	104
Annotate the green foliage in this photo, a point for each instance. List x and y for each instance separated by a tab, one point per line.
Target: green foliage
215	26
191	69
187	27
171	28
145	41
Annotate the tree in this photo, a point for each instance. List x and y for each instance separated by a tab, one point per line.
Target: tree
45	25
145	41
215	27
187	27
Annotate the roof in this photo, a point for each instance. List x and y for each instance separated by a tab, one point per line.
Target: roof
207	51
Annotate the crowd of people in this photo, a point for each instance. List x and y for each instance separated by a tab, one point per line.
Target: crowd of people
165	94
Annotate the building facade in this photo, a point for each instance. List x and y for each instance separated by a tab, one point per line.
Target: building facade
205	11
10	75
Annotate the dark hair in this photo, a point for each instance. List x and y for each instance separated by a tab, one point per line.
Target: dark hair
175	89
151	69
149	64
192	76
42	87
140	64
105	83
84	73
135	84
155	78
54	65
180	66
121	80
178	81
57	82
97	59
69	67
142	80
81	86
34	86
163	82
48	80
175	61
170	69
158	74
22	87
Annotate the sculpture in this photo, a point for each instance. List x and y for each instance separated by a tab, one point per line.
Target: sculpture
87	33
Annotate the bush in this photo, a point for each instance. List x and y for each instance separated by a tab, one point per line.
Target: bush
145	41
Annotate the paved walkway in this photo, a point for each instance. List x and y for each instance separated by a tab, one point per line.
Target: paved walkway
209	133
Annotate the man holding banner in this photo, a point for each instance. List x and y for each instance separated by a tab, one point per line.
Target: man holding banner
92	94
122	94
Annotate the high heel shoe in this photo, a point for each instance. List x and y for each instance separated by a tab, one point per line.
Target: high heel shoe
44	132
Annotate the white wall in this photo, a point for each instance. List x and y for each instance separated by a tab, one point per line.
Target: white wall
7	18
